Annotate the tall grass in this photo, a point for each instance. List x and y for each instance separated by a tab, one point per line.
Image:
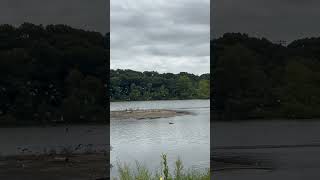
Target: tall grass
142	173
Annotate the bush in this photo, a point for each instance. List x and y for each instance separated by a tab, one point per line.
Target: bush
142	173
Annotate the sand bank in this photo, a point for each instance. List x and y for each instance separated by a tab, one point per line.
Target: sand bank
146	114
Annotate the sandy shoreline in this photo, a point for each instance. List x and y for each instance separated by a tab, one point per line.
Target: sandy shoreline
146	114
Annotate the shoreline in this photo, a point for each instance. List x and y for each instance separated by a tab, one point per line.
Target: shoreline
267	120
158	100
83	166
50	125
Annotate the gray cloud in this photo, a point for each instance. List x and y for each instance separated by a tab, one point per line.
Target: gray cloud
160	36
274	19
85	14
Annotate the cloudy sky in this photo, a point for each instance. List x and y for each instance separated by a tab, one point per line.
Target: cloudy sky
160	35
84	14
170	37
274	19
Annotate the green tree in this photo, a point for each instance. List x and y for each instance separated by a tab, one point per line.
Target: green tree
300	96
204	89
239	83
135	92
184	87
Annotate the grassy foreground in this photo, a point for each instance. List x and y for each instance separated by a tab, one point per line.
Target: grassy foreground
142	173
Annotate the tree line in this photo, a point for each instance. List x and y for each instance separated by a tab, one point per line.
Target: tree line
254	78
59	74
129	85
52	74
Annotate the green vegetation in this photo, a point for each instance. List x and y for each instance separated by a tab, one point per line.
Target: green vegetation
142	173
51	74
255	78
126	85
58	74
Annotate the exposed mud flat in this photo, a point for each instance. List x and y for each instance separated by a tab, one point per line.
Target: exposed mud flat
146	114
225	162
264	150
55	167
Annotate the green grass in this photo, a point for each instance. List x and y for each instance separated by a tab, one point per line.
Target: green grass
140	172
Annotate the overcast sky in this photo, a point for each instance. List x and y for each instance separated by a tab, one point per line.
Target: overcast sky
274	19
170	36
160	35
84	14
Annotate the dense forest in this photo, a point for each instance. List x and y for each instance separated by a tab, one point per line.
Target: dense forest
52	74
255	78
126	85
59	74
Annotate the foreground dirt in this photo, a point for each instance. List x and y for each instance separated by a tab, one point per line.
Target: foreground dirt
146	114
266	150
75	167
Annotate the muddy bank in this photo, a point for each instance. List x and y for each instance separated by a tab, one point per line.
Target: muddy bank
146	114
55	167
266	150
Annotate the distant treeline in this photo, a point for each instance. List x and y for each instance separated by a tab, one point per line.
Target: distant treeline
255	78
52	73
127	85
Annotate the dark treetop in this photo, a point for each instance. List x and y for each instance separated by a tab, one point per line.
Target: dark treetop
255	78
52	74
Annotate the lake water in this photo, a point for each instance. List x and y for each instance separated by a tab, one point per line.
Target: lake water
145	140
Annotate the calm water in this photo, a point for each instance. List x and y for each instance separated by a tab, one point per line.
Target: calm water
145	140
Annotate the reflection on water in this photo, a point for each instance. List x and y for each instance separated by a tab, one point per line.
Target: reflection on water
145	140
